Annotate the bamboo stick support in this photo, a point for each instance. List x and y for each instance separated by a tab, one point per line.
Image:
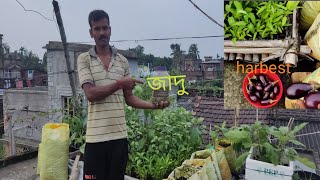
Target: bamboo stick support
239	57
271	57
232	56
258	43
264	56
75	170
226	56
248	57
291	57
255	58
305	49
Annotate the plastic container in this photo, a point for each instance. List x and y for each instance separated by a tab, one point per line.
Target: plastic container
271	76
266	171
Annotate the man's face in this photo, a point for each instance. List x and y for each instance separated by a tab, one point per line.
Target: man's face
101	31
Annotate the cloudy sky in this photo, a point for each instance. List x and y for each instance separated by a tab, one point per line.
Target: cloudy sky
139	19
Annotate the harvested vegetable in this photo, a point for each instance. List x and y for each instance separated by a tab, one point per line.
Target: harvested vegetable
299	90
263	90
312	100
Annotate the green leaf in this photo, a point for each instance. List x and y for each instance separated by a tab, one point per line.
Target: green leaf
291	5
248	9
281	6
261	9
242	12
284	21
255	35
297	143
298	128
238	5
252	17
238	136
284	130
271	154
240	160
227	8
240	23
231	21
82	148
306	162
234	40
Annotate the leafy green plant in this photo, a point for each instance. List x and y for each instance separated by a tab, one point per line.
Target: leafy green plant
77	125
244	20
162	143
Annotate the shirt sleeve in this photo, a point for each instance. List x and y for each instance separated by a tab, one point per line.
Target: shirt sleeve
126	66
84	71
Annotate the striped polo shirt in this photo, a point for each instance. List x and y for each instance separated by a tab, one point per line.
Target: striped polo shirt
106	117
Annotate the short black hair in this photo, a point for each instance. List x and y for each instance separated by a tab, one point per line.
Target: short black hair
97	15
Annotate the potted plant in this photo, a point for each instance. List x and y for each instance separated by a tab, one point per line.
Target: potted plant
270	157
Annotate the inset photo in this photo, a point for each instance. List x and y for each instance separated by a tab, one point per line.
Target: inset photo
272	54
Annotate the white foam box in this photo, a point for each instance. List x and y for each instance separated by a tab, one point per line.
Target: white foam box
258	170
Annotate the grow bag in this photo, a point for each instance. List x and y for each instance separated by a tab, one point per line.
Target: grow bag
221	160
53	152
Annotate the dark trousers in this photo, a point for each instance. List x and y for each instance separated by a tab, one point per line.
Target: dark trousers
106	160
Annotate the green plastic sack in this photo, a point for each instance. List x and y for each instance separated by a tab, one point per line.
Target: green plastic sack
210	157
229	152
206	164
189	172
310	10
53	152
313	38
223	165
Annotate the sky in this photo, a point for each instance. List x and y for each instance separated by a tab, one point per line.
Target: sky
139	19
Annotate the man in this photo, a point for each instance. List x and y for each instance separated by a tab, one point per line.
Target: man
105	76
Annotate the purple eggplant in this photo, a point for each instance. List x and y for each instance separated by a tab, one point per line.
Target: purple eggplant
263	80
275	90
268	101
259	87
299	90
312	100
266	95
253	98
270	86
250	87
272	95
258	94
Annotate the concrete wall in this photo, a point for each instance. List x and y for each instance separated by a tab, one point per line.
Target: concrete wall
28	106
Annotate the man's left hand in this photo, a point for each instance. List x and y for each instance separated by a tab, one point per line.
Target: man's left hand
161	105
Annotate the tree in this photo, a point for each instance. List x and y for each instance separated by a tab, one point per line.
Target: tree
139	50
45	61
193	51
6	48
22	50
150	59
176	51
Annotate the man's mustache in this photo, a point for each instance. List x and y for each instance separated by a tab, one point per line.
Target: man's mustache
102	37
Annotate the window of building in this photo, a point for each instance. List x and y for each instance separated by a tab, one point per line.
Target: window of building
68	104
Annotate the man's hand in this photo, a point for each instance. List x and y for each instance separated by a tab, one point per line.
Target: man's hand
301	105
161	105
128	83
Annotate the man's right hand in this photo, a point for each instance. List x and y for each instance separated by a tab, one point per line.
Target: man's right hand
128	83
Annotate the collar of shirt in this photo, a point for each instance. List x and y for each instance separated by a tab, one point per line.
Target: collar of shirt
93	52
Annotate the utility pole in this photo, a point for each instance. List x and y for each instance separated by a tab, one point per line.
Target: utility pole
66	52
